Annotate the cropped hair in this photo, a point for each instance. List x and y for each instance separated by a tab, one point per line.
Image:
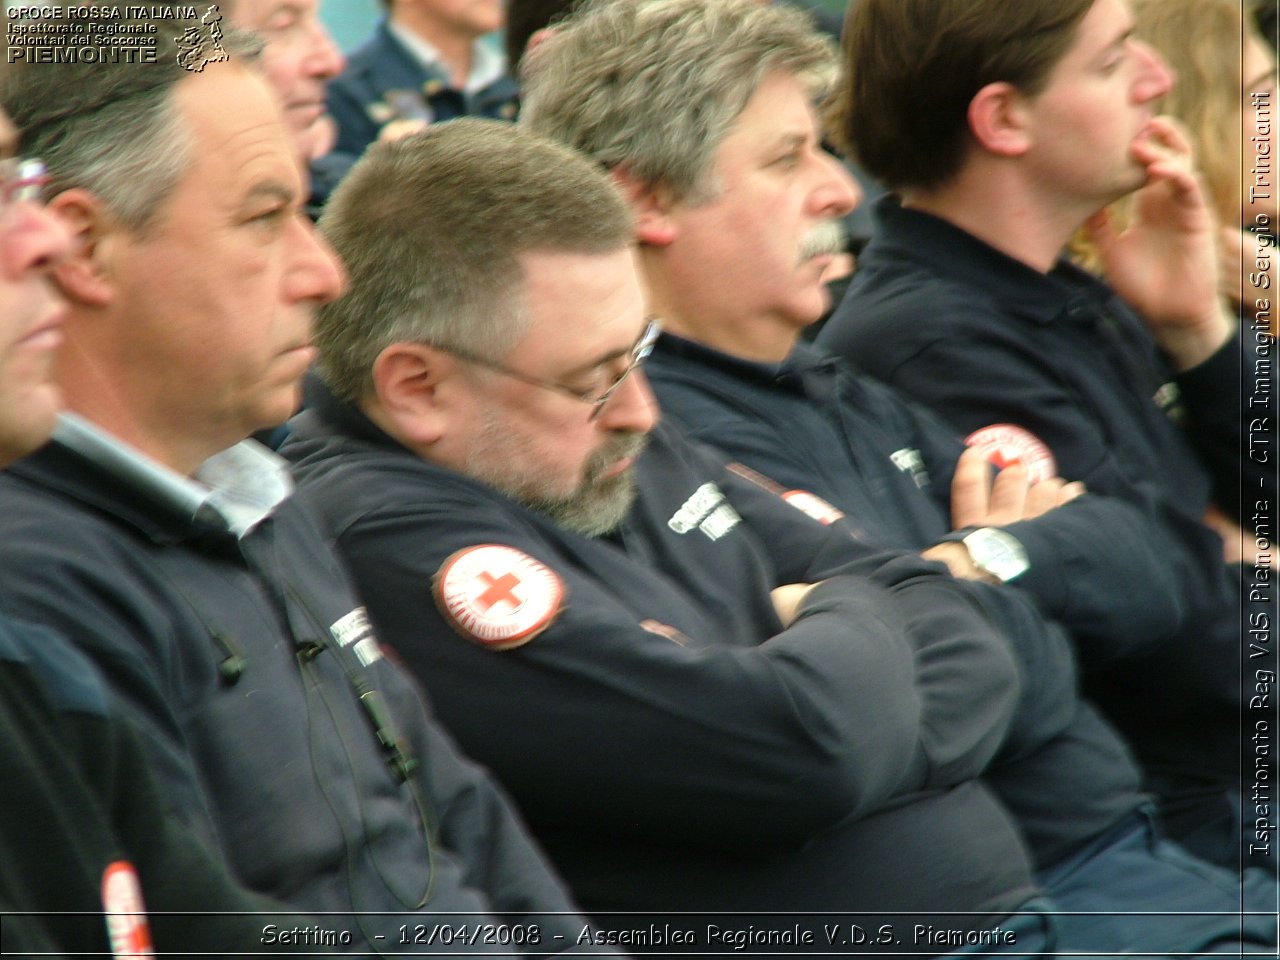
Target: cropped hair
109	124
912	67
653	86
431	229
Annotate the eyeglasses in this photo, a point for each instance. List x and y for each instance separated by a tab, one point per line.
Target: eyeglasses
641	350
22	180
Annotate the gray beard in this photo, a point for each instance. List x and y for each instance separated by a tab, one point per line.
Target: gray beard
597	506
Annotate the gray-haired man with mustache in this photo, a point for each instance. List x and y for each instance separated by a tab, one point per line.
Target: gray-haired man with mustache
734	201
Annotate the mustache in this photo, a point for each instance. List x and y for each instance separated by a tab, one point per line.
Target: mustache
828	237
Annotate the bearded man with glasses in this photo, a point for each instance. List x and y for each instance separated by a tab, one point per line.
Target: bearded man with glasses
619	625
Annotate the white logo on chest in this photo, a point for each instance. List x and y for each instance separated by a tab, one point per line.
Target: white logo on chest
706	510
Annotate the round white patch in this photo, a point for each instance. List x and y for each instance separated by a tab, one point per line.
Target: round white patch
813	505
125	913
497	595
1006	443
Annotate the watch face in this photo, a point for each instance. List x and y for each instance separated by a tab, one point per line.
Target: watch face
997	553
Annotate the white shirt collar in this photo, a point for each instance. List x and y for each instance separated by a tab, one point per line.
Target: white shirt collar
241	485
487	64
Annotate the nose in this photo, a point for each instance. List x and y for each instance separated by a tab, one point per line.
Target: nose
31	239
1155	77
632	407
324	59
837	192
316	273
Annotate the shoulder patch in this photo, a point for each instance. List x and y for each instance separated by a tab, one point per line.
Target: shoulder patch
124	911
814	506
1006	443
498	596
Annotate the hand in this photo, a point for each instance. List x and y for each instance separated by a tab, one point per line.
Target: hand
979	499
958	560
1234	263
399	129
787	600
1235	548
319	138
1165	263
841	266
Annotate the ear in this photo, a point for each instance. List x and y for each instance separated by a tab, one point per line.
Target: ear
998	120
85	275
537	39
406	383
651	205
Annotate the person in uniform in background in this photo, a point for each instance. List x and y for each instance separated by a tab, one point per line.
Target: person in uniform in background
299	58
426	61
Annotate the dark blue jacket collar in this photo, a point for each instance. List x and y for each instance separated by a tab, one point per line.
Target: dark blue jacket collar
952	253
792	373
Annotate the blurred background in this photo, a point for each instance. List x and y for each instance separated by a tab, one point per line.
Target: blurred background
351	21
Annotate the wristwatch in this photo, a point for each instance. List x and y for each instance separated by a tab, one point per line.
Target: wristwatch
997	554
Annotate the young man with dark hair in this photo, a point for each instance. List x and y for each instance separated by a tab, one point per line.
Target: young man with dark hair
1134	386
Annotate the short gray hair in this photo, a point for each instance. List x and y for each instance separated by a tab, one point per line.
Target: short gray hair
111	126
431	229
653	86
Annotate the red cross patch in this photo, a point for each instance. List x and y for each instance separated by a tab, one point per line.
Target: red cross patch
498	596
125	913
1006	443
